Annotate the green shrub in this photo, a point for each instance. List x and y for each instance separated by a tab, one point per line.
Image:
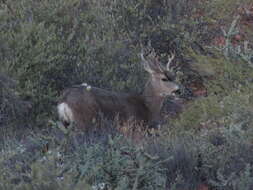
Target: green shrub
220	158
46	46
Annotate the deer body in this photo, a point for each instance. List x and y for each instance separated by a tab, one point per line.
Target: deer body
87	104
82	104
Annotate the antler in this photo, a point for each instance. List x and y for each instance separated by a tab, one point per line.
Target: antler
151	64
170	59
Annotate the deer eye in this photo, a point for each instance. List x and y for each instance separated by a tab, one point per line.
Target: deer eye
167	79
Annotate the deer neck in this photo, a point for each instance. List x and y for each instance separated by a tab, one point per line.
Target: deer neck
153	101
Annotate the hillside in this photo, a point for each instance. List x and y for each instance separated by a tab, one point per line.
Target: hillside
206	137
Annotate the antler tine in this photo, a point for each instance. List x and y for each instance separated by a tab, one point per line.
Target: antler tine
170	58
153	53
142	53
150	52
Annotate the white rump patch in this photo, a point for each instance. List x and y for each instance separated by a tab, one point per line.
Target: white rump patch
84	84
65	112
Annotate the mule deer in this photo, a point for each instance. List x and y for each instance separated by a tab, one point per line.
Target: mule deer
83	103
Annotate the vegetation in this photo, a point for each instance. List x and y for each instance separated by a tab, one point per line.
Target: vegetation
46	46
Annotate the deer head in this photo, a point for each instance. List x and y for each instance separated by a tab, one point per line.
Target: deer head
161	77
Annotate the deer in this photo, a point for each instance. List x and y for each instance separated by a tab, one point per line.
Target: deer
82	104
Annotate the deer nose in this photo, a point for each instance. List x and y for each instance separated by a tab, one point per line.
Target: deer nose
177	92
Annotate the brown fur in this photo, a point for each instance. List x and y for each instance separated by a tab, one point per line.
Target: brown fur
86	104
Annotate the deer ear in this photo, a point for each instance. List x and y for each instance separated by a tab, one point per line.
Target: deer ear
147	65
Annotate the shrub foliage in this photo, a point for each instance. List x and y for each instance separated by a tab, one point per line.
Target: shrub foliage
46	46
